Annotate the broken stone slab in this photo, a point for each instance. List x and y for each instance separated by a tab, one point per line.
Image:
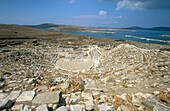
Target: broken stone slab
155	105
95	93
48	98
32	80
2	85
62	108
105	108
17	107
161	108
88	101
124	108
5	104
13	95
166	80
42	108
3	95
149	103
26	108
110	80
77	108
13	84
42	88
90	86
65	85
74	98
89	105
26	96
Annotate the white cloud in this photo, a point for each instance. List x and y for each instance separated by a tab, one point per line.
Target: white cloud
141	4
102	13
132	5
72	1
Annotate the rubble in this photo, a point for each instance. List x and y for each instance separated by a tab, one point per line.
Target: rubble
63	75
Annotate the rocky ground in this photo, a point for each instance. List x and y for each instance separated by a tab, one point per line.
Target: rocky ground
125	76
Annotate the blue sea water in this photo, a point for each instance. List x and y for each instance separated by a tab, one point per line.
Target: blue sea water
151	34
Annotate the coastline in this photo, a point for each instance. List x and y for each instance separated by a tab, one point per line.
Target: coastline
79	30
149	39
166	35
29	34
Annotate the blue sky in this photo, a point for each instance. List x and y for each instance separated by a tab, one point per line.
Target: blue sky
99	13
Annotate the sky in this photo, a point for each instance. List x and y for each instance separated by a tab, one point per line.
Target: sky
93	13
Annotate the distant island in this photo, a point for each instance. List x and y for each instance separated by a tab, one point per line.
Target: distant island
45	25
73	28
153	28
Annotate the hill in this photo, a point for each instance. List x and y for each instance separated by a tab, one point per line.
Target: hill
153	28
45	25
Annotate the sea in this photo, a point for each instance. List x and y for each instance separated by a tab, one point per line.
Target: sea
150	36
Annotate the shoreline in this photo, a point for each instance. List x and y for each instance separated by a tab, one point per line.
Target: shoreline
149	39
79	30
166	35
92	31
35	34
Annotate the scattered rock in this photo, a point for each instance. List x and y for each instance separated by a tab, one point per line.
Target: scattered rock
166	80
110	80
74	98
155	105
42	108
26	108
88	101
124	108
91	86
5	104
32	80
13	84
42	88
3	95
65	85
62	108
17	107
149	103
13	95
77	108
105	108
2	85
161	108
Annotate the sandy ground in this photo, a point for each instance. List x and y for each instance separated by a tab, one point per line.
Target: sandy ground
74	65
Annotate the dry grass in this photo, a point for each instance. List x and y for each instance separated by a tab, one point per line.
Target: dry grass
164	97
